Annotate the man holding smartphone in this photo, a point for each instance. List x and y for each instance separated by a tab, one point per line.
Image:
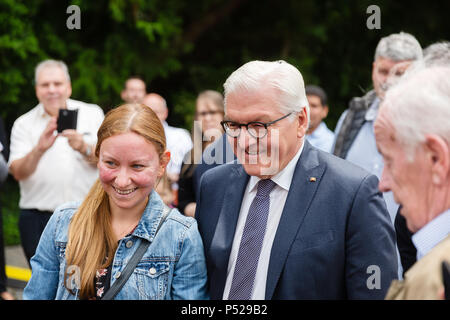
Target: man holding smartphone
51	168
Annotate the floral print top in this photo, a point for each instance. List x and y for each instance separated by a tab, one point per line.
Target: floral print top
102	281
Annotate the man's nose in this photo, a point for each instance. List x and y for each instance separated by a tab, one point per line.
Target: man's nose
51	87
385	184
245	139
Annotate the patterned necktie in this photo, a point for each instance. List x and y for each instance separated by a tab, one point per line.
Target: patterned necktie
251	243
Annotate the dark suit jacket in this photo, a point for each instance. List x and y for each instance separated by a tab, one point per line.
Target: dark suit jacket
406	248
330	232
217	153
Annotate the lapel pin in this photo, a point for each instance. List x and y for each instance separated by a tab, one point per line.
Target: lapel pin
312	179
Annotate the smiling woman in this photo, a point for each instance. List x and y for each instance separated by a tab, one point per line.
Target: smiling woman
122	210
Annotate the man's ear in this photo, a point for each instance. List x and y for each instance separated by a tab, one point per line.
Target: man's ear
70	90
123	95
439	158
325	111
302	119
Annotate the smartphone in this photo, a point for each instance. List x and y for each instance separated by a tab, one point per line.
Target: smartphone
446	278
67	119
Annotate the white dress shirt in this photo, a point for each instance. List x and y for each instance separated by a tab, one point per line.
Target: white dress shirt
62	174
178	142
431	234
277	200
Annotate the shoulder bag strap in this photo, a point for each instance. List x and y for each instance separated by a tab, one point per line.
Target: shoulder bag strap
131	265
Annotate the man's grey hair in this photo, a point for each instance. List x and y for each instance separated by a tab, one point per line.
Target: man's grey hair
437	54
399	47
261	76
51	63
419	105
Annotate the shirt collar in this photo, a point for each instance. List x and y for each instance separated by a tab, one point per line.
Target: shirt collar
151	216
372	112
319	131
41	111
282	178
431	234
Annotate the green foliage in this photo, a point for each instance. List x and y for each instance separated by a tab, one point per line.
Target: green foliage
181	47
9	199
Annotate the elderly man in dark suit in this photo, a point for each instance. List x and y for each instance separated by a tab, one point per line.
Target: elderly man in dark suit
286	220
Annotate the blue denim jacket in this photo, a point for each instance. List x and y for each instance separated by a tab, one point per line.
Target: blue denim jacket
172	268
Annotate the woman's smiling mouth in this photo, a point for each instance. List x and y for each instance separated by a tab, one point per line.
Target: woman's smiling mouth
124	192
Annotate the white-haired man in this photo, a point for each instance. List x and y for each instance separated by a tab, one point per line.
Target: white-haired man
51	168
413	134
286	220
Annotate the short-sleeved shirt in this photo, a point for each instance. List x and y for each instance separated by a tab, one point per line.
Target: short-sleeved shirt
178	142
62	174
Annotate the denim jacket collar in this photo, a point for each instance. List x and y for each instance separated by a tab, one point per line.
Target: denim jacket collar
150	217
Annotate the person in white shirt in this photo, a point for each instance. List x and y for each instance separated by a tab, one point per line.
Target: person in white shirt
413	136
51	168
179	140
318	133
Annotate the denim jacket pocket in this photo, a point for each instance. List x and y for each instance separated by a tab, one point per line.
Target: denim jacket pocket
152	279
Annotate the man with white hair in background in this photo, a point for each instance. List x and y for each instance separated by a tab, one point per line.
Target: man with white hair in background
51	168
287	220
354	137
412	133
436	54
179	141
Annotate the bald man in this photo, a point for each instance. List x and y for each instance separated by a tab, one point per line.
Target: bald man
178	140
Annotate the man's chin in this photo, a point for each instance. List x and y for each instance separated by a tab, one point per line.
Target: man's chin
53	108
261	171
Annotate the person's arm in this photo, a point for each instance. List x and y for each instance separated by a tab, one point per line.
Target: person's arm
371	257
190	279
77	143
24	167
186	192
43	284
338	129
3	169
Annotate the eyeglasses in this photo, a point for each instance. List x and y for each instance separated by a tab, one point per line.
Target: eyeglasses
256	129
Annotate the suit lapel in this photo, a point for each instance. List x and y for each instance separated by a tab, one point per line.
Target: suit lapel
301	193
222	241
